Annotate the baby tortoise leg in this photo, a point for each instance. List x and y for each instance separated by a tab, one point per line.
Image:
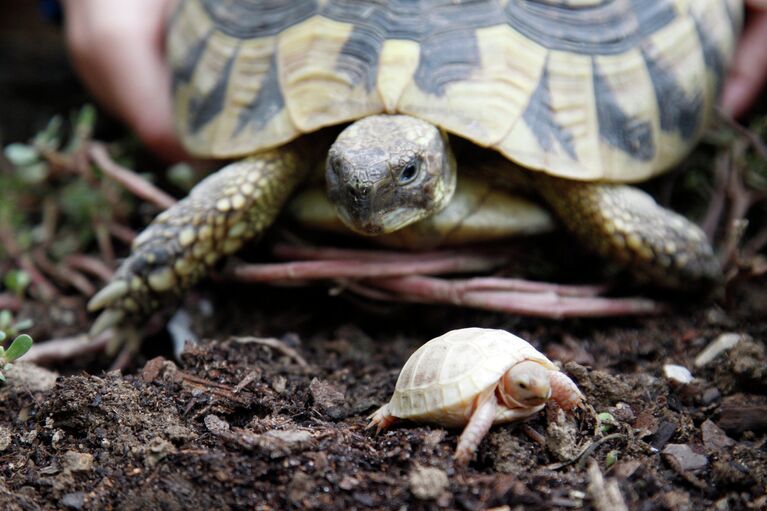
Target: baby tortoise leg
221	213
483	416
626	225
381	419
564	391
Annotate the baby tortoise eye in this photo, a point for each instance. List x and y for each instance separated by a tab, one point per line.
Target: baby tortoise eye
409	172
522	385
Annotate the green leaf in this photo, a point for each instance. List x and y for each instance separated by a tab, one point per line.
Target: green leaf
6	319
24	324
17	281
22	155
50	137
18	348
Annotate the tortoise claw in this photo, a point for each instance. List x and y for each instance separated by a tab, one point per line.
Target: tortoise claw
106	320
109	295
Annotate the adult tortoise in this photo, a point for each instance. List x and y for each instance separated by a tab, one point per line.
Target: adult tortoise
587	94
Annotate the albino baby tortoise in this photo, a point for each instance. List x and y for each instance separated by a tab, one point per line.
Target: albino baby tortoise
576	98
475	377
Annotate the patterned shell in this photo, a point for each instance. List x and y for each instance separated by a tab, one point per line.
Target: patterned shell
451	370
613	90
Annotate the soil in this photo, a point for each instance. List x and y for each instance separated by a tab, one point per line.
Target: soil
239	422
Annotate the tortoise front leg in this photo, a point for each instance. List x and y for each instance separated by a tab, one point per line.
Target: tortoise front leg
626	225
482	418
222	212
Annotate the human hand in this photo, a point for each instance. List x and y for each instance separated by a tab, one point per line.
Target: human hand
118	48
748	73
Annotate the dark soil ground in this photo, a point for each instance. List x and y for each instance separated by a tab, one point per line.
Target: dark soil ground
237	422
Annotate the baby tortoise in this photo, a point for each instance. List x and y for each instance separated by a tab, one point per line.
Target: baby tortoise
574	98
475	377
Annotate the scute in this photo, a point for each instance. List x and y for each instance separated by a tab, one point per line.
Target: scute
455	367
614	90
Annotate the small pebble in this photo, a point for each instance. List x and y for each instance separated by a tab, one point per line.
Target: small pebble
5	438
77	461
677	373
710	395
74	500
427	483
685	457
721	344
714	437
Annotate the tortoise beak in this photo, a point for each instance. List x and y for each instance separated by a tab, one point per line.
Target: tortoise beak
541	394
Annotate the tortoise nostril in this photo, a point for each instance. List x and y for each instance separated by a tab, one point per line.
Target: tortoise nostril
357	192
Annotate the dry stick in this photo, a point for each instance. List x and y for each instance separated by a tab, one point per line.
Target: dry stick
605	496
58	350
9	302
722	170
47	290
121	232
103	240
91	265
71	277
752	138
306	270
129	179
755	244
275	344
741	200
549	305
528	286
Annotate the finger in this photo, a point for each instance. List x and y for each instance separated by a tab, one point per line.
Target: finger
757	4
118	50
748	73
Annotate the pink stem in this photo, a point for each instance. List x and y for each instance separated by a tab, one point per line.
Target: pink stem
129	179
304	270
549	305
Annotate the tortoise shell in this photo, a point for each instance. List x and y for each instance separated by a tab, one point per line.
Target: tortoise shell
615	90
443	377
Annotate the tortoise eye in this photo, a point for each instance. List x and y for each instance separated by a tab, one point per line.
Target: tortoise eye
522	385
409	172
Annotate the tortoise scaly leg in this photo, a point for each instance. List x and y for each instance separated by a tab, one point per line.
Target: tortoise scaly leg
625	224
479	424
222	212
381	419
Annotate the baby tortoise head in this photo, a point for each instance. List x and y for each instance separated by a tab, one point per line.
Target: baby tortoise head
385	172
525	385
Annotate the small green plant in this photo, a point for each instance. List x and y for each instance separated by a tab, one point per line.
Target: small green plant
606	422
18	348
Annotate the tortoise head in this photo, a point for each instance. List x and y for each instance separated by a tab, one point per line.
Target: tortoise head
387	171
525	385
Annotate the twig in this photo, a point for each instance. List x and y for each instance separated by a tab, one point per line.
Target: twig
90	265
606	496
544	304
71	277
121	232
129	179
66	348
752	138
713	217
347	268
9	302
275	344
47	290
